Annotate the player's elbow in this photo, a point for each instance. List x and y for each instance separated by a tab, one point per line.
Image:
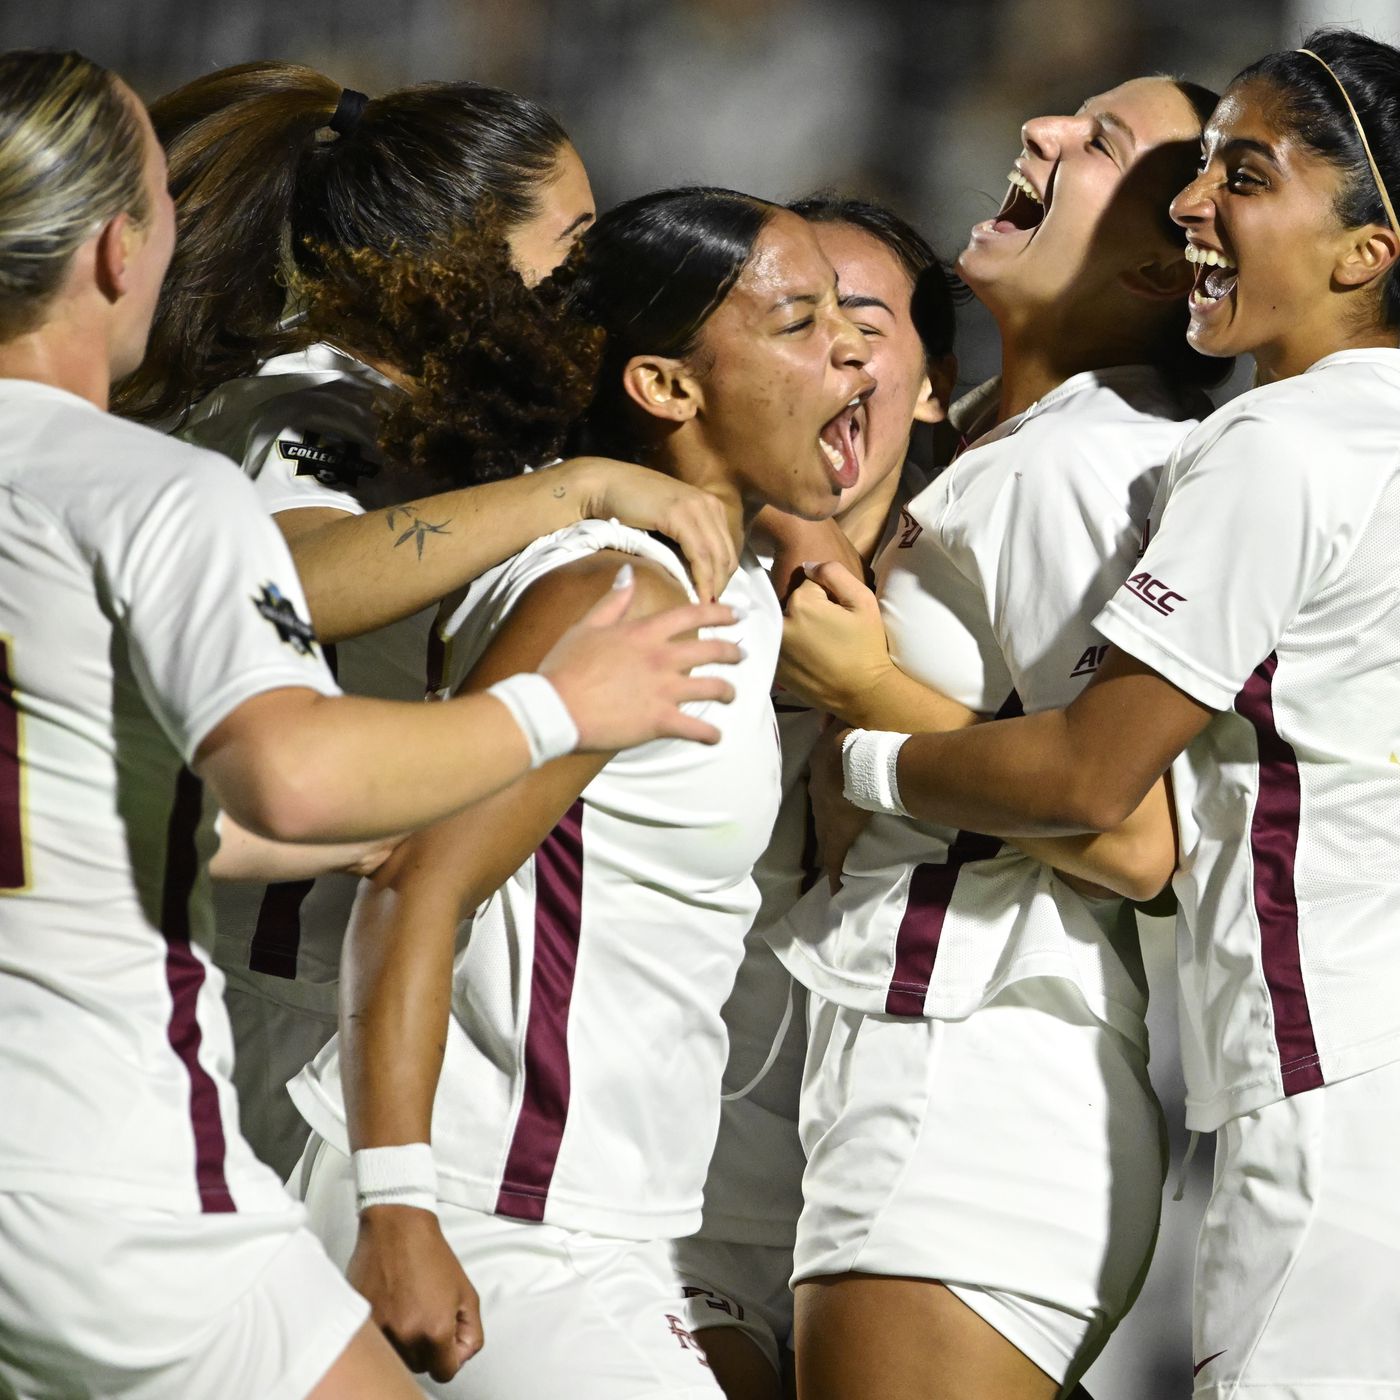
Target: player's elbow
1140	869
1090	803
283	805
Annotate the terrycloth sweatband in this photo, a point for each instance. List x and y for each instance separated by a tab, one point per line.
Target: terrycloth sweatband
543	717
395	1176
868	763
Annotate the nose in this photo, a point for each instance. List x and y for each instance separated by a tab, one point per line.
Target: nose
849	347
1045	137
1195	204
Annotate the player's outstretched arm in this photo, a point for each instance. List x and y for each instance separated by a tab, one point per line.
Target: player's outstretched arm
361	572
297	766
397	980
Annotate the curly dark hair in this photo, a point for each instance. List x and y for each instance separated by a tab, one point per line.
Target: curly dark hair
495	371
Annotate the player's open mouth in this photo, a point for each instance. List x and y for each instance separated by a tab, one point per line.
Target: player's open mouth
1024	208
840	439
1216	276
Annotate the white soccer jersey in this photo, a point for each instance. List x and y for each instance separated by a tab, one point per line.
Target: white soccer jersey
989	595
582	1076
143	596
1268	593
753	1193
304	429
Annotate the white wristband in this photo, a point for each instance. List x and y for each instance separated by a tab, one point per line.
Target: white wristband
541	713
869	759
395	1176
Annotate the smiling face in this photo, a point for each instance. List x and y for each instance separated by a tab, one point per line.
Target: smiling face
1086	204
778	367
1274	263
875	293
564	210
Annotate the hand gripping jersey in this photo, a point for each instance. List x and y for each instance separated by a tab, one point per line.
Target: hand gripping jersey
989	594
1268	593
304	428
581	1080
144	595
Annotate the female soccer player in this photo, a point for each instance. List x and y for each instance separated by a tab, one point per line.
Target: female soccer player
150	617
736	1267
1257	652
573	1111
280	177
984	1149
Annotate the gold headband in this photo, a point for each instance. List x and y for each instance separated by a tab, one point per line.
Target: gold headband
1365	144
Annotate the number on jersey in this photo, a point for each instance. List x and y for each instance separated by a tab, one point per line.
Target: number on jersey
14	864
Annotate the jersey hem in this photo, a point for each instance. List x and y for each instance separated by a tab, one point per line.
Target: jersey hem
869	998
252	1195
1207	1115
219	706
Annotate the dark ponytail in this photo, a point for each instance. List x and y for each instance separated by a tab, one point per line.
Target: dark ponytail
653	271
264	189
1311	106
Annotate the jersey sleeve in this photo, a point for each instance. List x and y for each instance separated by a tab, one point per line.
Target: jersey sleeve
1251	528
209	601
299	468
1063	538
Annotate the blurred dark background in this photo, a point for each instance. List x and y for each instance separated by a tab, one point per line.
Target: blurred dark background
914	102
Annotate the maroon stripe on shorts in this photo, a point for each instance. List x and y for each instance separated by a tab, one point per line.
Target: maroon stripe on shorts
1273	840
184	974
13	875
926	908
539	1127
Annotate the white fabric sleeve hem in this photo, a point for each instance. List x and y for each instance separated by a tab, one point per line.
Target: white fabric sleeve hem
224	702
275	505
1124	631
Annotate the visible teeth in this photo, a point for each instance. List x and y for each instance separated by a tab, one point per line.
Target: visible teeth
854	403
1209	257
1024	185
833	454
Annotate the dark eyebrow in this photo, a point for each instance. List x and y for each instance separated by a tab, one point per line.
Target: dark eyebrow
578	223
860	303
1246	143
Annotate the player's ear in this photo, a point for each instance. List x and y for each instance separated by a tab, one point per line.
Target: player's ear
936	392
112	248
1160	278
663	387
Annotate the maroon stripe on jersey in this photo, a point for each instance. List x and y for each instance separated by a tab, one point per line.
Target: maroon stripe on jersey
1273	840
539	1127
277	936
184	974
435	670
13	875
926	907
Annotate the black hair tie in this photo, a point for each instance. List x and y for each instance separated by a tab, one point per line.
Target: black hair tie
348	112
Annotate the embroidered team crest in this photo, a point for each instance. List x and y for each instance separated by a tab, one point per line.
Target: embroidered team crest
282	614
332	462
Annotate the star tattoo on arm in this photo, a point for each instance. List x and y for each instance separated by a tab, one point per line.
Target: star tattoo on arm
418	528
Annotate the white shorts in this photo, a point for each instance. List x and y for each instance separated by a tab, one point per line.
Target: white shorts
565	1313
1298	1267
1017	1156
743	1286
130	1303
272	1041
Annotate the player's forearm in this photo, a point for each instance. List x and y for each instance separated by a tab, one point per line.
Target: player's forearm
395	1001
351	769
243	855
1021	777
362	572
1135	859
897	701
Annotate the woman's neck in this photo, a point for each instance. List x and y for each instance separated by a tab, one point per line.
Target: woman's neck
75	362
864	524
1301	350
697	466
